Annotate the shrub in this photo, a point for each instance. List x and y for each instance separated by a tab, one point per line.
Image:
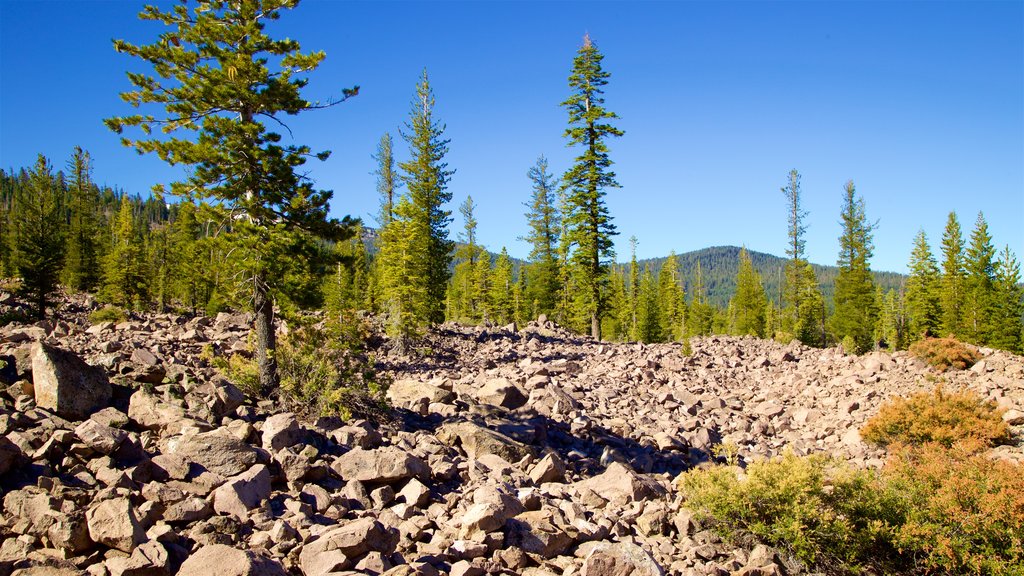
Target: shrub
108	314
945	353
964	512
824	513
937	416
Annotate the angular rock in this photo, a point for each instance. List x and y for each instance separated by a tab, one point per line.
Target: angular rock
281	431
152	413
383	465
243	492
477	441
216	451
551	468
114	523
223	560
149	559
65	384
338	548
619	482
501	392
405	392
100	438
620	559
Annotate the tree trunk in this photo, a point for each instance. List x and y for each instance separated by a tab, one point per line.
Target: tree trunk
595	326
266	343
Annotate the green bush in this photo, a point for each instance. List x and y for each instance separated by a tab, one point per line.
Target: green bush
931	510
825	514
937	416
108	314
945	353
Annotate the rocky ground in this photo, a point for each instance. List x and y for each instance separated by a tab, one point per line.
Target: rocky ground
530	451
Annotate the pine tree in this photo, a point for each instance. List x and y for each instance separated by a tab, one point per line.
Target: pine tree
811	329
633	292
465	302
387	179
482	286
672	299
952	296
589	227
402	274
82	270
1007	325
856	307
502	285
124	281
192	282
922	297
160	267
795	250
545	222
218	75
978	287
748	305
648	327
39	247
426	177
701	315
892	319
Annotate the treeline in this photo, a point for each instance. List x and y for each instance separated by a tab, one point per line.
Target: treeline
256	234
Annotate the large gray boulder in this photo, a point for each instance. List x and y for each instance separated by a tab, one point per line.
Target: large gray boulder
114	523
380	466
337	549
243	492
65	384
216	451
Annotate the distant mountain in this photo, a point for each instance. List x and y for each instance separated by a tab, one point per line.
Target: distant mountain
719	265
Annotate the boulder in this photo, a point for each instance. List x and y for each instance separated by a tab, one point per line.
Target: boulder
620	559
405	392
149	559
217	451
501	392
65	384
619	482
152	413
551	468
383	465
114	523
476	441
337	549
281	431
100	438
223	560
243	492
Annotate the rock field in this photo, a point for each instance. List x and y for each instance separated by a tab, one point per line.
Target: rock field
531	451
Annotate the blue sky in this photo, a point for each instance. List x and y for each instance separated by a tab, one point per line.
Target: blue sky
920	103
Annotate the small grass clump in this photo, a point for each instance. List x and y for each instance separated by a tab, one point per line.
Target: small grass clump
937	416
945	353
108	314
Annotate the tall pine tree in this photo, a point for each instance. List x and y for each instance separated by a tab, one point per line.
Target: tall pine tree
979	285
1007	329
426	178
671	299
793	290
82	269
544	220
388	181
218	76
856	305
952	295
589	227
922	297
39	247
749	303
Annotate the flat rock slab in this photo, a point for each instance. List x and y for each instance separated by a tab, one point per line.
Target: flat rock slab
222	560
379	466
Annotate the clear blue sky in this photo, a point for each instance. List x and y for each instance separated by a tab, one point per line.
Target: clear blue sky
920	103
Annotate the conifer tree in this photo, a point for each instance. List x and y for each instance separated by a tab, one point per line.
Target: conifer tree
192	281
1007	328
648	328
160	267
463	297
892	319
952	295
388	181
124	281
978	286
39	248
795	250
544	221
402	274
856	306
616	323
426	178
672	299
589	227
812	329
701	315
218	76
482	286
502	286
633	292
82	268
748	305
922	297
